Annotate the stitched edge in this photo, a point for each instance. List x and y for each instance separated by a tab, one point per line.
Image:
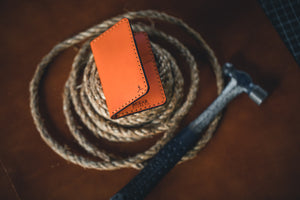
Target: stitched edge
134	48
154	67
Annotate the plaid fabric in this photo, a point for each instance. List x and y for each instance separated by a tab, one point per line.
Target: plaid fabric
285	17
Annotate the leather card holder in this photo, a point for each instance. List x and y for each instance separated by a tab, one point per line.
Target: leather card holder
127	70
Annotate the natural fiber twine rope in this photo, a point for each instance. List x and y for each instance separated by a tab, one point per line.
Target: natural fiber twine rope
83	94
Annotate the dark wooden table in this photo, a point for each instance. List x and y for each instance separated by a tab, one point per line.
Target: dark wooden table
255	153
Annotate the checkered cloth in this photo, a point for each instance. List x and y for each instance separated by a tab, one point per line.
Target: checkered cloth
285	17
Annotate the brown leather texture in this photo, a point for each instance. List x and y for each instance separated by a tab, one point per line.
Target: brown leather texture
121	73
127	70
155	95
254	154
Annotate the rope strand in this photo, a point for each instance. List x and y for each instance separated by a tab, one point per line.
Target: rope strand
83	94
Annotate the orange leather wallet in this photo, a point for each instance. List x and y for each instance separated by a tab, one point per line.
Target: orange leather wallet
127	70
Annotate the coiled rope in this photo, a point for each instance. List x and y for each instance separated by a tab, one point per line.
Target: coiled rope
83	94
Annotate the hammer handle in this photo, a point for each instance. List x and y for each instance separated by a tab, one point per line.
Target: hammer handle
158	166
175	149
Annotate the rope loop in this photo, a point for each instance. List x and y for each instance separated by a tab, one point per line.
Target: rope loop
83	97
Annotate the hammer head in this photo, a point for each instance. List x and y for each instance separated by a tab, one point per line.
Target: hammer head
255	92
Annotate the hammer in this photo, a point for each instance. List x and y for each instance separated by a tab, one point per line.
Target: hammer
159	165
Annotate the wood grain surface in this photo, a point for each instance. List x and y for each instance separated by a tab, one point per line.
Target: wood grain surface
255	153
